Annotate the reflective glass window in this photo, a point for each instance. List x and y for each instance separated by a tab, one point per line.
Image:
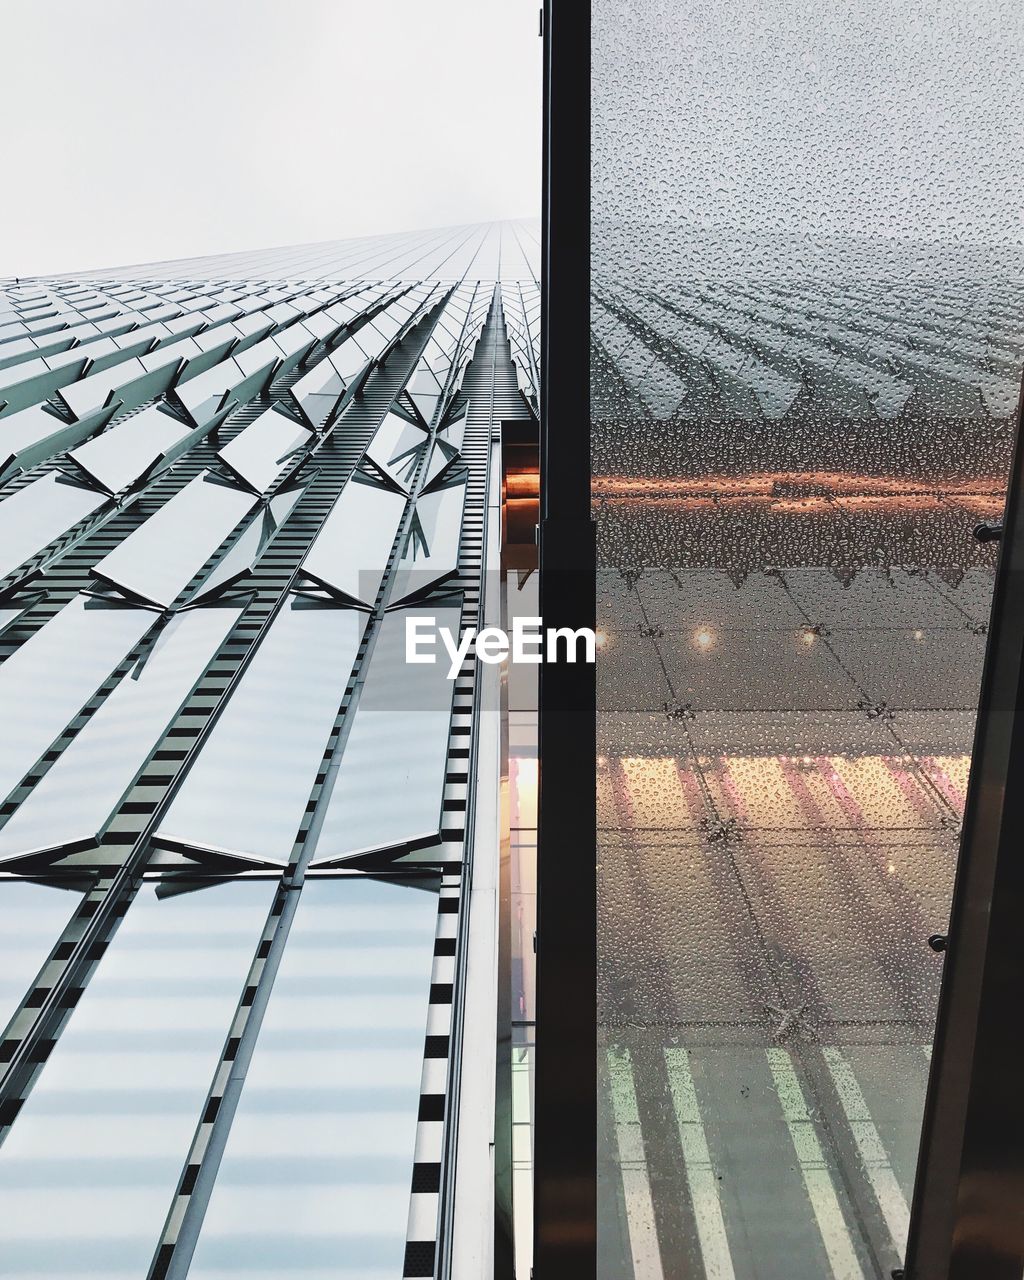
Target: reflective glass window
47	681
293	344
77	794
32	917
118	457
33	517
315	1179
248	789
261	452
205	394
89	1169
432	544
350	553
397	746
397	448
250	544
158	560
353	358
33	435
319	390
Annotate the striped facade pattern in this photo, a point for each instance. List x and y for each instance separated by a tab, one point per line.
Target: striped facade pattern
101	330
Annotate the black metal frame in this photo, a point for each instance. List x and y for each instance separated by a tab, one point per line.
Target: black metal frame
968	1214
565	1147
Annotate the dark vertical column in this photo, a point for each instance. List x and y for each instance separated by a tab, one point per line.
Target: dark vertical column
566	1131
968	1214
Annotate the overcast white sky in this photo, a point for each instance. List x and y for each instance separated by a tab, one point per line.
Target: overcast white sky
138	130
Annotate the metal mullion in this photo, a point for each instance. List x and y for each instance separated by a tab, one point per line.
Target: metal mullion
967	1219
566	1069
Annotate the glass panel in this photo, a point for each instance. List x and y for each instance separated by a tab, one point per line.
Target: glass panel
432	543
352	358
33	380
261	452
250	544
350	553
397	746
89	1169
315	1179
398	448
118	457
211	344
34	516
45	683
159	559
442	458
318	391
206	394
129	385
454	429
258	360
33	435
320	326
427	384
807	347
247	791
77	795
293	344
32	917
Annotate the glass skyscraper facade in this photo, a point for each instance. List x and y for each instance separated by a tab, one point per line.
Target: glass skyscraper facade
236	825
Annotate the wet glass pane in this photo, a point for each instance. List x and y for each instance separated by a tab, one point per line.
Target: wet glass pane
315	1179
78	793
247	791
807	346
47	681
31	518
350	553
31	919
89	1170
159	559
398	746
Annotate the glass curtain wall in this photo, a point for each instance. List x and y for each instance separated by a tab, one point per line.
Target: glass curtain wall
807	337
